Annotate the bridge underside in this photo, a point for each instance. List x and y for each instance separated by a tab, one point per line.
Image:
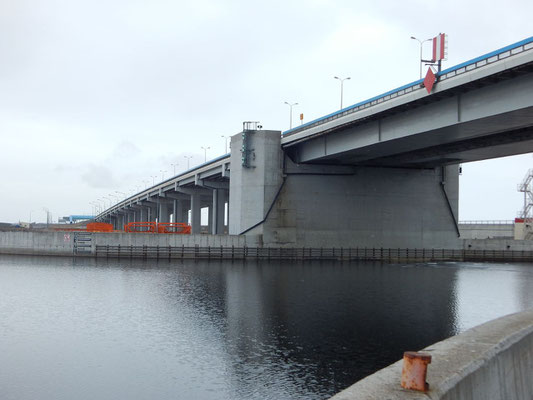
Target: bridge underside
473	124
501	144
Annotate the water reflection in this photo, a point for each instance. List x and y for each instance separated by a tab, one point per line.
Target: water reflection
85	328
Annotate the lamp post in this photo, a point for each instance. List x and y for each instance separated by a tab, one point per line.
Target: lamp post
145	183
162	174
122	193
421	43
188	159
342	85
153	179
205	153
174	167
290	115
95	208
226	141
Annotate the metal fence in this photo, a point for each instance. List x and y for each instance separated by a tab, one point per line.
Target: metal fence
308	253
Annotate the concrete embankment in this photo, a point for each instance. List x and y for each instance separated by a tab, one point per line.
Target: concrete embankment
69	243
147	245
493	361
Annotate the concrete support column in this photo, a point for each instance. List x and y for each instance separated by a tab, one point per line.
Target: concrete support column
255	181
152	213
185	216
209	217
217	221
164	212
195	213
178	211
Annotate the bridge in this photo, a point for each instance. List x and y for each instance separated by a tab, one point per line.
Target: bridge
382	172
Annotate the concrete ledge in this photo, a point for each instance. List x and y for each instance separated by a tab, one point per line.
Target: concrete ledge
493	361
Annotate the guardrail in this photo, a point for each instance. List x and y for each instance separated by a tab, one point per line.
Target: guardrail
307	253
488	222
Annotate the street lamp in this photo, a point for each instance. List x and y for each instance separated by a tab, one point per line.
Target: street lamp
421	43
291	105
188	159
342	85
162	174
95	207
226	139
174	166
122	193
145	183
153	179
205	153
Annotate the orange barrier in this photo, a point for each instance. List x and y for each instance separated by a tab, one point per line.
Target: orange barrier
179	228
99	227
174	227
141	227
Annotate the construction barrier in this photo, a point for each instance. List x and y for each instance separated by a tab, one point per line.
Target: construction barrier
99	227
140	227
174	227
154	227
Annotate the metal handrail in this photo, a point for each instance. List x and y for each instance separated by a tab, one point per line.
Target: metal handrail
487	222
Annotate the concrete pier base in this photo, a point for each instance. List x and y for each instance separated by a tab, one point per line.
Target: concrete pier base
311	205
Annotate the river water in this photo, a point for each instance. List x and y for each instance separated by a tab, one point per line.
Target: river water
122	329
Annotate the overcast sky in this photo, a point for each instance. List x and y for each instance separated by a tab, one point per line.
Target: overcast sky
99	96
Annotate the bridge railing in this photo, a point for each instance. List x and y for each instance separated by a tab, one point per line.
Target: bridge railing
488	222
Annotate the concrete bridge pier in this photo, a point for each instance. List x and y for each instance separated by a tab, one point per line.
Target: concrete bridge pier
165	209
195	212
218	208
313	205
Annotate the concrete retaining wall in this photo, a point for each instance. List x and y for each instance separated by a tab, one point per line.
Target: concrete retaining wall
486	231
147	239
52	243
498	244
61	243
493	361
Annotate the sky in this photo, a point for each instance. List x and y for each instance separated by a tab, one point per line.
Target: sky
98	97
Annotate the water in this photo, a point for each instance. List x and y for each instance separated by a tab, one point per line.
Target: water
98	329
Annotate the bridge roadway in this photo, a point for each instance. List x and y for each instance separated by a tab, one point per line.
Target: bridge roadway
382	172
